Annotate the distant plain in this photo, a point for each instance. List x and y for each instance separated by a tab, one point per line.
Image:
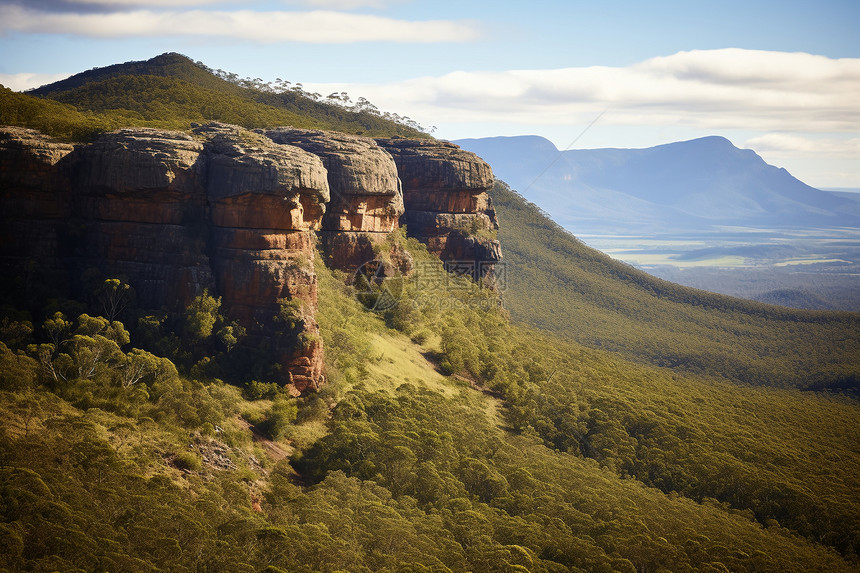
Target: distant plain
809	268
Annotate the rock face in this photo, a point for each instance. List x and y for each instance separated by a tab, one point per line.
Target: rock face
265	201
447	205
366	196
224	210
140	197
34	201
236	213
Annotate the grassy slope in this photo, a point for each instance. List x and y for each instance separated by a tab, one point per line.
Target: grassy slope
559	284
782	455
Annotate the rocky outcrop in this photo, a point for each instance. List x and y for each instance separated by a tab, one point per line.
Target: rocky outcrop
235	213
34	200
265	202
223	209
30	160
140	197
447	205
366	196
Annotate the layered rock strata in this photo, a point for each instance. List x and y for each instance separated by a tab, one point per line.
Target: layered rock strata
140	198
35	198
265	202
447	205
366	197
236	213
223	209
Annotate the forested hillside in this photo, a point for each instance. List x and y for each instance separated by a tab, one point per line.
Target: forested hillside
557	283
590	463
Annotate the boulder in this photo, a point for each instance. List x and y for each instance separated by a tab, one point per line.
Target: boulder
130	161
253	182
429	164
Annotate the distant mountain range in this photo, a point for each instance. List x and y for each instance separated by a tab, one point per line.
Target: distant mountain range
679	187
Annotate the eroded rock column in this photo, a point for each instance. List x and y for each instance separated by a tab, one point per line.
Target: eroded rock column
446	203
366	195
266	201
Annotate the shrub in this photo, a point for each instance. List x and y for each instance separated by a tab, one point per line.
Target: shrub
188	461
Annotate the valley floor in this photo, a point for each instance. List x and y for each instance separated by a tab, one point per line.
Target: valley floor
812	268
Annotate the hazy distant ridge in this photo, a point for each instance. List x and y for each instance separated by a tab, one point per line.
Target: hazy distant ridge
686	185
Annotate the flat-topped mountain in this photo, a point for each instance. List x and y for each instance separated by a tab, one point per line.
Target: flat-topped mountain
688	185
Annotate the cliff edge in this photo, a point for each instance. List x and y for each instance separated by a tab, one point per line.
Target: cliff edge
234	213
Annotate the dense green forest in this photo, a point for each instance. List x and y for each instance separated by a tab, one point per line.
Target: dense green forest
591	418
448	438
559	284
171	91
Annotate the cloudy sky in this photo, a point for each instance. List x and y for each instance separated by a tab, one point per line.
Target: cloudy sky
780	77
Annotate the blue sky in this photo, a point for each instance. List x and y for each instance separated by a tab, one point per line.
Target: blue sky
782	78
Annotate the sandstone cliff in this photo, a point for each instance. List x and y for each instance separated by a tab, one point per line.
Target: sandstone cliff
366	196
233	212
140	199
265	201
223	210
447	205
35	193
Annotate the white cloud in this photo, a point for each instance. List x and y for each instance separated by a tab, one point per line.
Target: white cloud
95	6
343	4
21	82
788	144
712	90
749	67
265	27
149	3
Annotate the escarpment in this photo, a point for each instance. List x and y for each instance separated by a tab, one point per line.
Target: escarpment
139	203
35	198
236	214
447	205
366	196
222	210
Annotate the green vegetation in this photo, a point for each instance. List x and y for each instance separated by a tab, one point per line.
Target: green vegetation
170	92
596	420
52	118
416	471
557	283
700	437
